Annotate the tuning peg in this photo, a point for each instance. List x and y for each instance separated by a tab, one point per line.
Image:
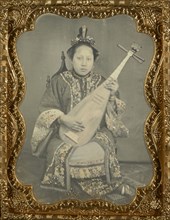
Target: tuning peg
135	47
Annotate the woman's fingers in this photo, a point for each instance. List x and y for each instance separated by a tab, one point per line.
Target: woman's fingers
112	85
80	123
71	123
78	126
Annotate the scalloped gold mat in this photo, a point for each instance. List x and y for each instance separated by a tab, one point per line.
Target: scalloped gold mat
17	199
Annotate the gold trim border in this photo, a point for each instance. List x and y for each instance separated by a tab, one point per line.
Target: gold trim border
12	124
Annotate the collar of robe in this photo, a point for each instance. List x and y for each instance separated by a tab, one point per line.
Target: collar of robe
76	75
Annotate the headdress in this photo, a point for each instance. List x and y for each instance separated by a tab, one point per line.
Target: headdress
82	38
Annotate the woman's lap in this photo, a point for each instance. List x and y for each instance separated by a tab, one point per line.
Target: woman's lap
91	153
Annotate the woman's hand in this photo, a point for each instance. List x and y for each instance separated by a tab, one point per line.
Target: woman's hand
112	85
71	123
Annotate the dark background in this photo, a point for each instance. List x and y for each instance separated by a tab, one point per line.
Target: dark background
39	52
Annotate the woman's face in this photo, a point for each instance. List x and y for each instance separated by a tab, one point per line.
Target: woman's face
83	60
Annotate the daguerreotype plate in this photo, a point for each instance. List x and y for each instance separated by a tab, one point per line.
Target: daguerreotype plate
84	109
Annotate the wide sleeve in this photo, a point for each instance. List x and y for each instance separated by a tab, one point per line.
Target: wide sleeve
52	98
50	111
114	110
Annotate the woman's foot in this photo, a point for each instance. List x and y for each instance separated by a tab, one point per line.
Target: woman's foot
127	190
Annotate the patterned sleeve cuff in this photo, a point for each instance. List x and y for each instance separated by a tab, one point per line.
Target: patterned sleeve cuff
46	118
121	106
42	127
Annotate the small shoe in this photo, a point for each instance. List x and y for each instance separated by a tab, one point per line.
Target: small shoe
126	190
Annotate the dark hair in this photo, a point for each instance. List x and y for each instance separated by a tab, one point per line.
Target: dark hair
71	51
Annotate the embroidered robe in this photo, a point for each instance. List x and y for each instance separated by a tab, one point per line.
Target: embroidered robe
65	91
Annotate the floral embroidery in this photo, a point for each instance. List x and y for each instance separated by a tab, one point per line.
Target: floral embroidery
120	106
111	165
41	134
87	172
56	174
113	121
97	187
42	127
91	82
46	118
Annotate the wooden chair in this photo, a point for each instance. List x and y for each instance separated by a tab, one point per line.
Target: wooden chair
61	69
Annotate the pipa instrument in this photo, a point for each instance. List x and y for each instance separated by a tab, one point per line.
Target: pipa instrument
91	109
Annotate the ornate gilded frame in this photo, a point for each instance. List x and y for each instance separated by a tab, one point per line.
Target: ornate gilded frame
151	202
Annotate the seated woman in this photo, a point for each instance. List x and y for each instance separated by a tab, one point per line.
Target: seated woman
93	166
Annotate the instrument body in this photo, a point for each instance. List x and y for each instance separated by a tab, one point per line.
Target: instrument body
90	111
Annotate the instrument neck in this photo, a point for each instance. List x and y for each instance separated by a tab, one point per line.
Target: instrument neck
118	70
